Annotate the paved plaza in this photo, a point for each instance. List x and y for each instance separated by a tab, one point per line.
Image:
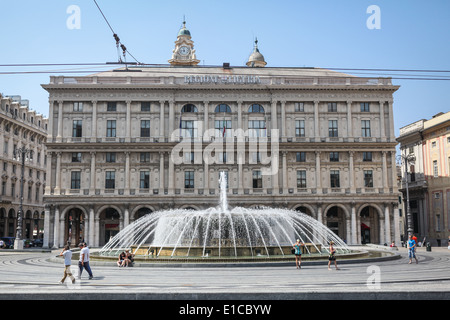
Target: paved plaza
35	275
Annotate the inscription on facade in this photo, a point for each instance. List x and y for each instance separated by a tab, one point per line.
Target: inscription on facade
236	79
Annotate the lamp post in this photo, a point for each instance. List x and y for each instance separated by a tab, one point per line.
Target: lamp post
21	153
410	158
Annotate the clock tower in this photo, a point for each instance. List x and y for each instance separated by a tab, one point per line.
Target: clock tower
184	53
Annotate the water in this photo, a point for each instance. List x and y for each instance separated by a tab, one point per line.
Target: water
224	232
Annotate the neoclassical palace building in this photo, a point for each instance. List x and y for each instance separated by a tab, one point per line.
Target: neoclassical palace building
22	128
135	140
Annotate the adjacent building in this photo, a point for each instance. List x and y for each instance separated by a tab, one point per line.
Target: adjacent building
428	176
21	127
134	140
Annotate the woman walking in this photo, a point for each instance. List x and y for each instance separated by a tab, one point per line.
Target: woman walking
332	256
298	253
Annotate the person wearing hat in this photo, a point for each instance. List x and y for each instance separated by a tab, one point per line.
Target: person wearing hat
298	253
332	256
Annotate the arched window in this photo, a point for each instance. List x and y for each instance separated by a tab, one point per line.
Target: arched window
255	108
189	108
222	108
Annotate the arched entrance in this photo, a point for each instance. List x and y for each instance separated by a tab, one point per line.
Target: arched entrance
3	220
142	212
74	227
369	224
11	223
336	221
109	225
304	210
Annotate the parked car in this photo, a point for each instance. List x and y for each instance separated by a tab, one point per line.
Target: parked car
8	242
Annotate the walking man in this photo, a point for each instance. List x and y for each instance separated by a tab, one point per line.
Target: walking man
83	263
67	254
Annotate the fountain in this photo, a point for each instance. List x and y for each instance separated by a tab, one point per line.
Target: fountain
223	233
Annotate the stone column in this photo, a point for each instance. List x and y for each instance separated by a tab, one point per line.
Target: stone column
127	173
50	121
318	178
396	224
91	225
351	172
240	156
385	172
56	229
354	225
349	120
97	232
273	116
391	121
316	121
61	233
48	181
171	175
283	121
285	175
161	173
387	223
239	115
206	118
394	172
128	122
94	122
382	130
58	174
171	119
161	120
60	121
126	217
92	178
47	213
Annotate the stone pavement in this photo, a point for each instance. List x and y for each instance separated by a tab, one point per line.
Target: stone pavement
34	275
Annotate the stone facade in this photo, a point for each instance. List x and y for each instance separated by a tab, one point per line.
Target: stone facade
22	127
428	176
306	139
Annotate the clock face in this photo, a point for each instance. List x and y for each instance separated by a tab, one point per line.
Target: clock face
184	50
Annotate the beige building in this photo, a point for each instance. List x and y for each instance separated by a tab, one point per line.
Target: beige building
306	139
428	176
21	127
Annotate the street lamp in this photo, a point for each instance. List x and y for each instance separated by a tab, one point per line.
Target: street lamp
21	153
410	158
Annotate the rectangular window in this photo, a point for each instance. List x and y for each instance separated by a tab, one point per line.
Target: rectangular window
257	179
111	157
145	106
301	156
223	128
13	189
3	188
435	169
76	156
145	157
367	156
77	130
189	129
111	128
299	107
333	128
334	179
75	180
299	128
365	128
145	128
145	180
257	128
189	179
78	106
365	106
368	178
110	179
301	178
189	157
222	157
332	107
112	106
334	156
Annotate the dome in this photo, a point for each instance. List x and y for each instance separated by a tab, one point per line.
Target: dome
256	59
183	31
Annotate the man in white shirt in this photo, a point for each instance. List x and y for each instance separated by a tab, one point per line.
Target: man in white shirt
84	260
67	254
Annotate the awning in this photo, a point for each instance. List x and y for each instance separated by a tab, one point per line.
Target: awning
364	227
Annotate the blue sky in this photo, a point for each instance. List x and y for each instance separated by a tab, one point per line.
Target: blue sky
326	34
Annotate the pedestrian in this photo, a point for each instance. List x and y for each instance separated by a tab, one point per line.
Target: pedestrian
412	249
448	243
298	253
67	254
332	256
83	263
